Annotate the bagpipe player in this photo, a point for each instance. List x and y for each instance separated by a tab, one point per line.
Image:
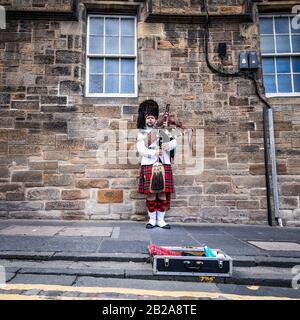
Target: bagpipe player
154	145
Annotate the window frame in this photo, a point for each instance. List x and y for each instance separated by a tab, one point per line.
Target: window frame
120	56
275	55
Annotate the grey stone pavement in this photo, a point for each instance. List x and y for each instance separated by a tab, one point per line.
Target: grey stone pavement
115	253
132	238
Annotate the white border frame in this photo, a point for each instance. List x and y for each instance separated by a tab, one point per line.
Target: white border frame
274	55
87	73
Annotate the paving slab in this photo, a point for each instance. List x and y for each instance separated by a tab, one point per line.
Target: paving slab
18	264
175	242
132	230
118	246
107	273
35	255
9	269
279	262
9	276
22	243
262	233
203	229
31	230
283	254
86	231
110	265
174	236
36	222
43	279
227	243
65	244
279	277
276	245
115	233
109	256
134	235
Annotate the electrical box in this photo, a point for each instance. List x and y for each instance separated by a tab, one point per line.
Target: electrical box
244	63
253	60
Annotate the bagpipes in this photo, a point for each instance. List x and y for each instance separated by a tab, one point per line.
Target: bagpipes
165	131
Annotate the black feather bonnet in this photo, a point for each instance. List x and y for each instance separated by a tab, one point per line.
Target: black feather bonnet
147	107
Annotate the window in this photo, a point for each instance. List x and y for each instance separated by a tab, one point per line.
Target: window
280	50
111	56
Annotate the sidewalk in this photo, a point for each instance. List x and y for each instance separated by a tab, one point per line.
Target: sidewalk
115	237
262	255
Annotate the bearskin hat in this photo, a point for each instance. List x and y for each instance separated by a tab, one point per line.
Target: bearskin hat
147	107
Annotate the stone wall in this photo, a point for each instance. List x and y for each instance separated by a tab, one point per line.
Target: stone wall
196	6
38	5
49	131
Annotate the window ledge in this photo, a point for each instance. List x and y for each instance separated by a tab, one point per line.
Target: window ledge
111	96
283	95
109	100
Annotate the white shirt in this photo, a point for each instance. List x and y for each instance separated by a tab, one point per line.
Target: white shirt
148	154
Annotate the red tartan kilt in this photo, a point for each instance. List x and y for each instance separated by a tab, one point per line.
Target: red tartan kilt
145	178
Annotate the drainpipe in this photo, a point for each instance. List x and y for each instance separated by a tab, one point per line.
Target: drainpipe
274	169
266	159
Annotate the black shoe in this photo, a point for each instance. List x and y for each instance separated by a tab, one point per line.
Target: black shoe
167	226
150	226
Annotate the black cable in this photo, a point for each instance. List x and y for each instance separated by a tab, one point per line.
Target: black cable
223	73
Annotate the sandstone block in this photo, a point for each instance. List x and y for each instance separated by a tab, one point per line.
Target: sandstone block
292	189
74	194
217	164
58	71
110	196
218	188
108	111
67	56
55	155
26	105
69	87
24	150
4	173
43	59
53	100
15	196
43	165
58	179
55	126
72	168
202	201
16	134
4	98
21	206
65	205
27	176
70	144
248	204
43	139
42	194
91	183
248	182
6	187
